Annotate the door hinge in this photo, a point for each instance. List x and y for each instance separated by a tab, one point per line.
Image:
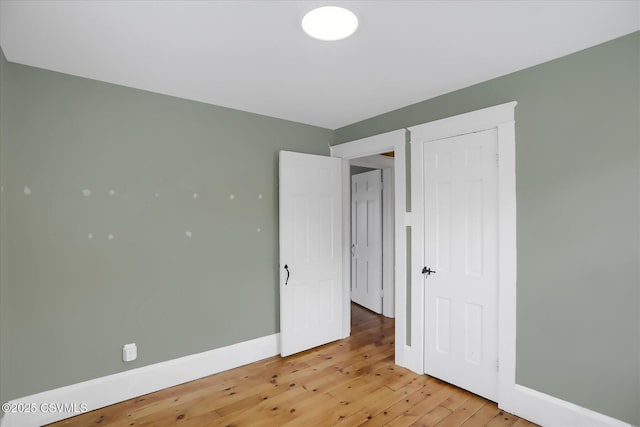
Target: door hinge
498	159
498	365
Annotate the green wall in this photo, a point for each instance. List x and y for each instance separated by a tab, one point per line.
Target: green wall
4	308
72	302
578	190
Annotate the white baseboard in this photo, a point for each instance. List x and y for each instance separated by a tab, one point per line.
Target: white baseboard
104	391
550	411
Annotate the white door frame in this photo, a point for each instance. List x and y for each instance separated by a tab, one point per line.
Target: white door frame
385	163
392	141
501	118
376	161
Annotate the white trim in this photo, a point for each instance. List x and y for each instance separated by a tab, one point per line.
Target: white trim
550	411
388	241
408	219
391	141
415	358
475	121
104	391
375	162
500	117
507	260
346	248
371	145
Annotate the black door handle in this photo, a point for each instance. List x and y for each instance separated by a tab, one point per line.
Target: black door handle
428	271
286	267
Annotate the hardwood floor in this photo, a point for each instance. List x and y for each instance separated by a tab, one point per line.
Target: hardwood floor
351	382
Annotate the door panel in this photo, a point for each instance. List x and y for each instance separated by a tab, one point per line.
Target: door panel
443	334
460	235
366	240
311	249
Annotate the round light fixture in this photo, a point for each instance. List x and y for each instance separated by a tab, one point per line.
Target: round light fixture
330	23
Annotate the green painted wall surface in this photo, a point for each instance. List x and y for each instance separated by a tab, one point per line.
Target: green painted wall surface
577	142
74	301
4	310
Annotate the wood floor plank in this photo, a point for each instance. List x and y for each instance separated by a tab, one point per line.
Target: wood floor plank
503	419
265	410
378	406
432	401
457	399
389	414
432	417
302	413
347	408
347	383
463	412
482	417
422	407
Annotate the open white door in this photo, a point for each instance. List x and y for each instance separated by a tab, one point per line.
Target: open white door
461	241
366	240
310	251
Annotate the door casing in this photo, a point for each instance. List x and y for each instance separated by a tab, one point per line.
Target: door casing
391	141
409	350
500	118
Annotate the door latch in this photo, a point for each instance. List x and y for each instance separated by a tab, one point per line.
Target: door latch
428	271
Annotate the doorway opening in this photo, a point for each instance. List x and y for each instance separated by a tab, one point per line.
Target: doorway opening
363	148
372	233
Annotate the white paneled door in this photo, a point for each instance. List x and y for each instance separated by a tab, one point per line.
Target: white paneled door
366	240
460	265
310	251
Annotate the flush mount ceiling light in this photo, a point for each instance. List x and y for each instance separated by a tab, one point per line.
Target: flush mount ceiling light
330	23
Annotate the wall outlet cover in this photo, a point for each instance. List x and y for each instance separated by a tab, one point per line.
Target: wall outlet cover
129	352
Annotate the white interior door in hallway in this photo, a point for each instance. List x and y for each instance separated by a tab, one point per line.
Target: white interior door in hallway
460	261
366	240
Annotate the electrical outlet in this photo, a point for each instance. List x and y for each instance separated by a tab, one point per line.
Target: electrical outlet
129	352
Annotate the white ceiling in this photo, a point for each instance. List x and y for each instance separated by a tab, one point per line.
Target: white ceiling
253	55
